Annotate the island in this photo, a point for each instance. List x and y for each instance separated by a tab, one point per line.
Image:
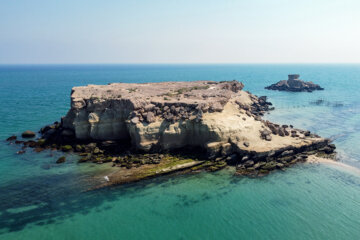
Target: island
294	84
149	129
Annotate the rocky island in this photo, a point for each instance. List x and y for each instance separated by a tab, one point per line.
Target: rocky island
144	130
294	84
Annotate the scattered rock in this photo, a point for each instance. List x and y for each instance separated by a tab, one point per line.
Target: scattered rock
150	117
28	134
41	142
264	134
249	163
263	171
61	159
78	148
287	153
279	165
12	138
66	148
135	120
39	149
30	143
96	150
269	166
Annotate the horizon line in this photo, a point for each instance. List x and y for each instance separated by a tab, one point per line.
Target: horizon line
195	63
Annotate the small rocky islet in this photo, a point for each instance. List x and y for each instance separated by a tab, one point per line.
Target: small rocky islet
151	129
294	84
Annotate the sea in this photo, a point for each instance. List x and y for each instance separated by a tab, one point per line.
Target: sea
40	199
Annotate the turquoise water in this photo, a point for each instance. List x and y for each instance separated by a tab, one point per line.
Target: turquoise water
42	200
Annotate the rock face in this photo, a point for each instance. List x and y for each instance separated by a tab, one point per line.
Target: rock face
294	84
114	111
218	117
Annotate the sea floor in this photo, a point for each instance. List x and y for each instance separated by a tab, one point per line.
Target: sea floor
309	201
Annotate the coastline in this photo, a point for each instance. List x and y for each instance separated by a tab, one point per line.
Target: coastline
137	127
333	163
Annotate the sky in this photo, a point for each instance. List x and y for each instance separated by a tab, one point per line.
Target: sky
184	31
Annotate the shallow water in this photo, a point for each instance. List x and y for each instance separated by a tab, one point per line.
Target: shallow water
42	200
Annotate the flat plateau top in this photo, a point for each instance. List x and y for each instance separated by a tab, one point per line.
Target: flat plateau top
162	91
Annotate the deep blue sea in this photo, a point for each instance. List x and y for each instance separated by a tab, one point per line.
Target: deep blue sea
42	200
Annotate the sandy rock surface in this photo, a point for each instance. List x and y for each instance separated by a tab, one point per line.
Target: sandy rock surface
217	116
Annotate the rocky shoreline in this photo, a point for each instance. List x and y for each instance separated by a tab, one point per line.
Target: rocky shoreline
143	131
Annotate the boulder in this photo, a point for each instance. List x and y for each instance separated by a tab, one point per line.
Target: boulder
41	142
78	148
12	138
281	132
268	138
269	166
61	160
150	117
66	148
96	150
249	163
135	120
28	134
265	134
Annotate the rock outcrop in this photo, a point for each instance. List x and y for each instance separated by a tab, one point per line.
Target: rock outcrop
294	84
216	116
134	125
162	116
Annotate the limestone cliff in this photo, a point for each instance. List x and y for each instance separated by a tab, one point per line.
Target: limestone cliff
217	116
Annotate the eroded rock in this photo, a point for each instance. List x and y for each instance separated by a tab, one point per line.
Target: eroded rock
28	134
294	84
217	118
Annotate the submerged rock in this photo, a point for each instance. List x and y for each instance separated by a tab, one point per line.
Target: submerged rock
294	84
11	138
61	159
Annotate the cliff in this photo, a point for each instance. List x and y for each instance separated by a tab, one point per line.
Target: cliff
216	116
151	129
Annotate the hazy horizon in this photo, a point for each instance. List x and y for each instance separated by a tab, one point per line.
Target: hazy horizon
189	63
169	32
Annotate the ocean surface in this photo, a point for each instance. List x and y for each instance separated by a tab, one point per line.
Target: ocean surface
42	200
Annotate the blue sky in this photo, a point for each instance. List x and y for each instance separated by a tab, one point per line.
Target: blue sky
168	31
